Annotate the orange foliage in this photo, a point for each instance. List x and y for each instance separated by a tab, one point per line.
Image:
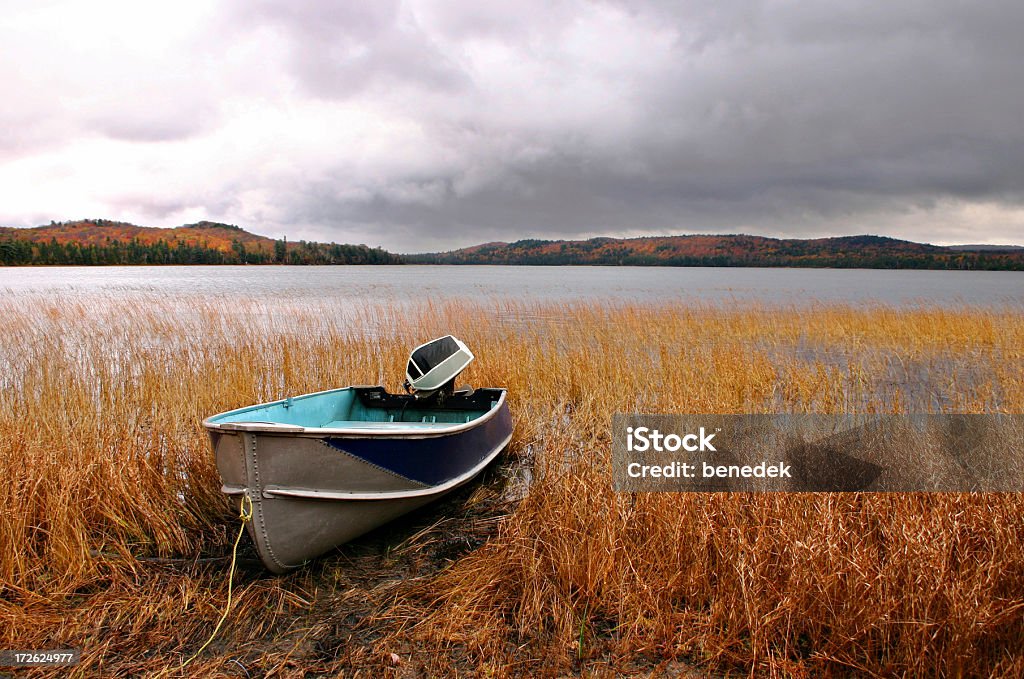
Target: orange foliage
101	231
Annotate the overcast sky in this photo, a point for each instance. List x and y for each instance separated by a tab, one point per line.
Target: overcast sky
433	125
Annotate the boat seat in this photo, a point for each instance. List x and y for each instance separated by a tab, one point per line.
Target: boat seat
362	424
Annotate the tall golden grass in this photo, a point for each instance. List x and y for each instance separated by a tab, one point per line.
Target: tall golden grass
107	479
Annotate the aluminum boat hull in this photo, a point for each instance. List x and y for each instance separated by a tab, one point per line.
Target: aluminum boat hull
317	480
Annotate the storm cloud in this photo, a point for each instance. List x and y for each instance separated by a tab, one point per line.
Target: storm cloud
432	125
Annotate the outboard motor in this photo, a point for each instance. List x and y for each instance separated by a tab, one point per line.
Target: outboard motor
433	367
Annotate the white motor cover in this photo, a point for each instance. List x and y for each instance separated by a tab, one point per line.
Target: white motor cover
434	364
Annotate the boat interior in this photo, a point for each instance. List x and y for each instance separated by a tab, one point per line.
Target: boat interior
370	408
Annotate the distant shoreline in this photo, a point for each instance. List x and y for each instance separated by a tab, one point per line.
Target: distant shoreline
101	242
529	265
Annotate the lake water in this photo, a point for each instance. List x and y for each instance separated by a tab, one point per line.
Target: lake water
541	283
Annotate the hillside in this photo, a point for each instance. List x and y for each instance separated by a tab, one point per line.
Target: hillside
731	250
100	231
101	241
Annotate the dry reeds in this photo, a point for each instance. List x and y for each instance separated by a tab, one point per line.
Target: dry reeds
106	468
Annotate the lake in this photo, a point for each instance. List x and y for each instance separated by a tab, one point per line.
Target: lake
538	283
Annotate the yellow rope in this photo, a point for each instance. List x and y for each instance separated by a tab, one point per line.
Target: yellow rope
245	514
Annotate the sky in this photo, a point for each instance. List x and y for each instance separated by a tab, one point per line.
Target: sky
425	126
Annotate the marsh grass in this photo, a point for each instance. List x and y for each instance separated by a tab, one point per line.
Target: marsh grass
106	471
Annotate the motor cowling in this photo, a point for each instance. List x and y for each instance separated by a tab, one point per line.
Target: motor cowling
434	366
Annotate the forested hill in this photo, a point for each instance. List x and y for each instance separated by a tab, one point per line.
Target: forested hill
101	241
875	252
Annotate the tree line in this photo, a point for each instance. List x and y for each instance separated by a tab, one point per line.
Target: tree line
588	254
22	252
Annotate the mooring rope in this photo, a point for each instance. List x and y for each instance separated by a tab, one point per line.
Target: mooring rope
245	514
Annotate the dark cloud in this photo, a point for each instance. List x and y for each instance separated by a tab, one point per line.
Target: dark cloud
424	125
754	116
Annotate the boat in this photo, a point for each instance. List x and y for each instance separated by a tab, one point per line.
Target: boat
324	468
